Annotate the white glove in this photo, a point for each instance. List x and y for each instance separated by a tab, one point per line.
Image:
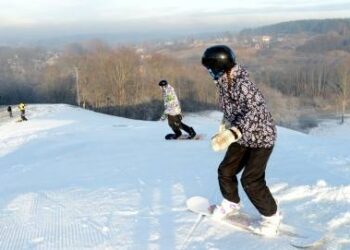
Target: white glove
223	139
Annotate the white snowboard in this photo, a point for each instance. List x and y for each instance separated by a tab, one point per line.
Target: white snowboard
201	205
243	222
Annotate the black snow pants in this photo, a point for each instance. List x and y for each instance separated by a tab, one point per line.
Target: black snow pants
253	162
23	116
176	124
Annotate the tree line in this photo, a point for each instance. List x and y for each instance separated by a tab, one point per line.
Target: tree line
316	26
123	81
119	81
319	81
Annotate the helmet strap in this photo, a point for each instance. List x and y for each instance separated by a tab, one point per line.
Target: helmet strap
216	75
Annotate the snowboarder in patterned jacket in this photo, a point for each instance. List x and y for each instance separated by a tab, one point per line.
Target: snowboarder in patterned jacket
248	132
173	112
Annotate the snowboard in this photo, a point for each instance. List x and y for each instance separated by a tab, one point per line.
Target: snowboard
184	137
244	222
20	120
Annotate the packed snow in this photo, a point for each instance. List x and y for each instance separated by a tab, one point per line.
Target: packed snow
76	179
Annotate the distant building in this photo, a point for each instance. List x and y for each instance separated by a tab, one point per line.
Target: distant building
140	51
197	43
261	42
266	39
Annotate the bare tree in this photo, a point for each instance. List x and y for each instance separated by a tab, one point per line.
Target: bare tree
343	86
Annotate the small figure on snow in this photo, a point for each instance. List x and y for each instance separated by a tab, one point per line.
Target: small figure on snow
21	108
9	110
173	112
248	132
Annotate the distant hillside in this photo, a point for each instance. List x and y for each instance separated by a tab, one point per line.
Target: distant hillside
308	26
327	42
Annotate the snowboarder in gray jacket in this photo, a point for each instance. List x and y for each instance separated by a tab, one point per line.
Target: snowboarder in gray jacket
248	132
173	112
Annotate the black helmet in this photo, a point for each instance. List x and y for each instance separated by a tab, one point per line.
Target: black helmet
163	83
218	59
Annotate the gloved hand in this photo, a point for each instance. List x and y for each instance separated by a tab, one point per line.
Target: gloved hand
163	117
223	139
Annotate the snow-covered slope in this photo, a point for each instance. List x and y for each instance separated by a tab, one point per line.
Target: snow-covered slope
75	179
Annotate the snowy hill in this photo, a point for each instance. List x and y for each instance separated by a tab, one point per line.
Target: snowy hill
76	179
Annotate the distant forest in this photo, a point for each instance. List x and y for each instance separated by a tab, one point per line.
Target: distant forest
305	72
320	26
119	81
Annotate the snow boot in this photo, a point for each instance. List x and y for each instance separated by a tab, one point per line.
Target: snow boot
172	136
191	133
225	208
269	225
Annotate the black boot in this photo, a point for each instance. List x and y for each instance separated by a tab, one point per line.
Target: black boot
191	133
172	136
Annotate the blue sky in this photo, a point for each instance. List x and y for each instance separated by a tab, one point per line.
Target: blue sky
97	16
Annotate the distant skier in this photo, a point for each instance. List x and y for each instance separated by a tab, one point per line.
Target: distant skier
249	132
9	110
173	112
21	108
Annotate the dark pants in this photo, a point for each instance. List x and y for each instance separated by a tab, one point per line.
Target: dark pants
176	124
23	116
253	162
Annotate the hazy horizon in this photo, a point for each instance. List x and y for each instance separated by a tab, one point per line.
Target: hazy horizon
22	21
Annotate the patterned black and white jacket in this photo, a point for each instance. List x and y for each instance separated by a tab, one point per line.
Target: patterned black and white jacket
244	107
